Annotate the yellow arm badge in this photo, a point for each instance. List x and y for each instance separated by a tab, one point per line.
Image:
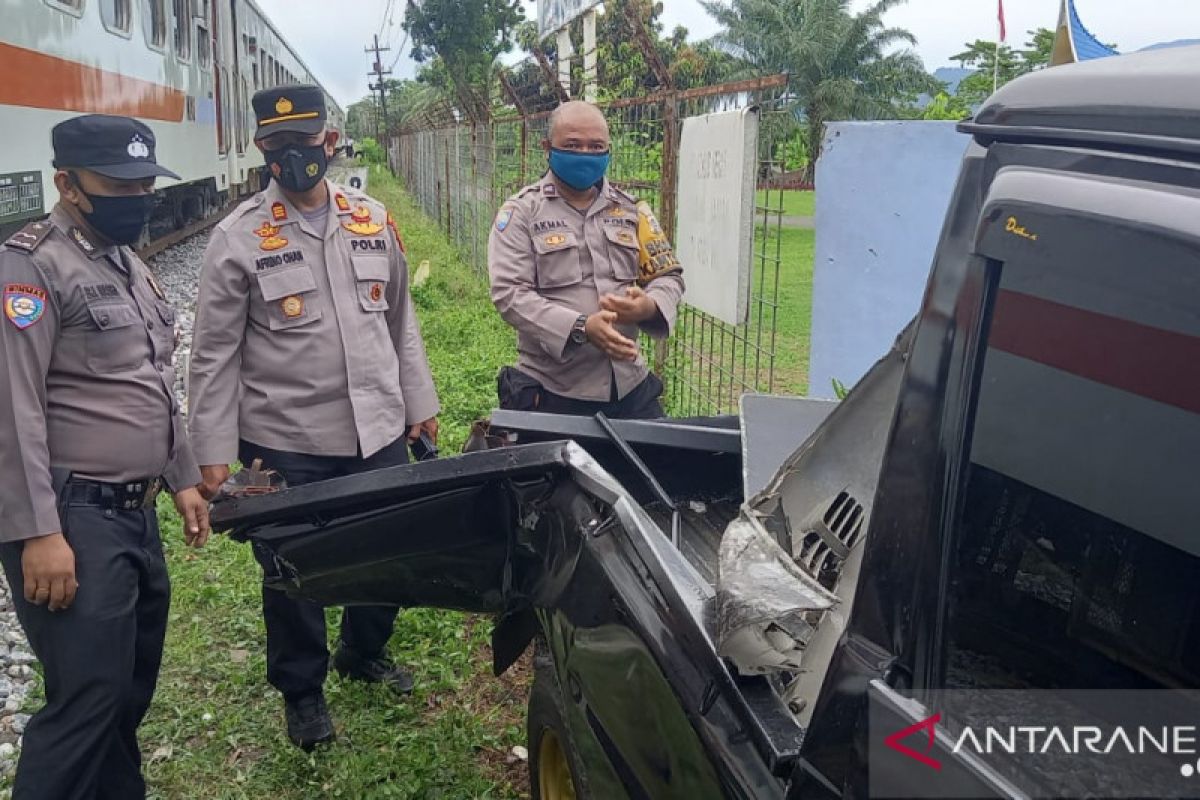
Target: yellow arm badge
655	256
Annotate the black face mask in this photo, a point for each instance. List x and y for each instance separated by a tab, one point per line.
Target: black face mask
298	168
119	219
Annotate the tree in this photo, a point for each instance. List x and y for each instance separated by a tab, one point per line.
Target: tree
842	65
467	36
981	54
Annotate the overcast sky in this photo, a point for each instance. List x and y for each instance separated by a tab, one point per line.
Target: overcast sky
331	39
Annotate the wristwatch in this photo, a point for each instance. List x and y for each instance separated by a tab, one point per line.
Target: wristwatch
579	330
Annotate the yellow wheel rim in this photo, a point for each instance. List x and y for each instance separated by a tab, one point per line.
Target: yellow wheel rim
554	771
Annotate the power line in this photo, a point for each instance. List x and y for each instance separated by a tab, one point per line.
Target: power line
387	9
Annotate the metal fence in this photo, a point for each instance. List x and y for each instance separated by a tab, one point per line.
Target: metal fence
461	174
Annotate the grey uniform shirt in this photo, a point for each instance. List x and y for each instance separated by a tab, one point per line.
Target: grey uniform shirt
306	340
86	375
549	263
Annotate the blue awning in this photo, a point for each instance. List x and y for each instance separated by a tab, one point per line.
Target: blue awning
1087	46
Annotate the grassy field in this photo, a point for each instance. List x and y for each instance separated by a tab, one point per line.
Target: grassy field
794	312
795	204
216	728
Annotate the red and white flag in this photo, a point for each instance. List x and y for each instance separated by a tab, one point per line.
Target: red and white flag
1003	30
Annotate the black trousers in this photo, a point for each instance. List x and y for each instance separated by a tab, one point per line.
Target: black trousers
520	392
100	658
297	643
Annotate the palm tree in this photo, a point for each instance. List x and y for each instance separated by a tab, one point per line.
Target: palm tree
842	65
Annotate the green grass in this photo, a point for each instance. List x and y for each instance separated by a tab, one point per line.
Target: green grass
795	203
216	727
794	315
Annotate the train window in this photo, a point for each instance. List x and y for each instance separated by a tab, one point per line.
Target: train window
116	15
182	30
204	39
74	7
257	86
154	17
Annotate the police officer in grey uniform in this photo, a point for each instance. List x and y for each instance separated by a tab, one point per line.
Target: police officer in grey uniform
307	354
89	430
578	267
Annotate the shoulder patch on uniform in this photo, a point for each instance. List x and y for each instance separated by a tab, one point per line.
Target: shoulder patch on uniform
503	218
343	205
278	212
655	256
549	190
29	237
24	305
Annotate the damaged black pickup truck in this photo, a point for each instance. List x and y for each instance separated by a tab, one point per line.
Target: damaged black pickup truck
1009	498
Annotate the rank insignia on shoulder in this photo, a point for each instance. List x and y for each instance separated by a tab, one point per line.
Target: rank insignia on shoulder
278	212
343	205
554	240
150	279
391	223
360	223
24	305
548	190
503	218
292	306
29	237
271	240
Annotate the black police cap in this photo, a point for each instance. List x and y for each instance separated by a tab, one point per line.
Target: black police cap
289	109
117	147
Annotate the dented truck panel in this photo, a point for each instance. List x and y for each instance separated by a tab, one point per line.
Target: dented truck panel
711	643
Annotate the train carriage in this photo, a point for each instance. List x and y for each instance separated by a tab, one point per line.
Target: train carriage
187	68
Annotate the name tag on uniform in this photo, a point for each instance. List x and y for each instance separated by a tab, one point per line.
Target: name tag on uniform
368	245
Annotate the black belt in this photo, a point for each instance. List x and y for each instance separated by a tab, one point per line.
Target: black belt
129	496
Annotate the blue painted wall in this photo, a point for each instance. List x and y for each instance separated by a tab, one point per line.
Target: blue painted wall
882	193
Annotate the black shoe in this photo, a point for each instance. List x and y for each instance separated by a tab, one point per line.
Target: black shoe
308	722
350	664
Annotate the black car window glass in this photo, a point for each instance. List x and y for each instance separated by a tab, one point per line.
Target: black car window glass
1078	550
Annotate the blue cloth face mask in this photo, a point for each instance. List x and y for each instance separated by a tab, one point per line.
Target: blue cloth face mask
578	170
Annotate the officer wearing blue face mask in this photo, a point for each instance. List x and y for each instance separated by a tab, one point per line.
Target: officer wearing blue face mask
580	268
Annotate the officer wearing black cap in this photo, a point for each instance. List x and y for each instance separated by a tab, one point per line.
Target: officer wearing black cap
90	431
307	354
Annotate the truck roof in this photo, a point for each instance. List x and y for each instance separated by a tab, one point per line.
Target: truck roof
1145	100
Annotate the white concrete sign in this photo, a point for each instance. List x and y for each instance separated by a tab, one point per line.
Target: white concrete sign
714	231
556	14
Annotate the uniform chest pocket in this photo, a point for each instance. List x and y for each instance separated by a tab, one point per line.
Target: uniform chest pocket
372	274
290	296
118	340
557	259
623	251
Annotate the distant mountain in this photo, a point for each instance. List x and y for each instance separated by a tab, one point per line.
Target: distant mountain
952	76
1176	43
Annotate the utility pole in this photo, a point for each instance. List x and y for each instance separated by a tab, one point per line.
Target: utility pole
379	86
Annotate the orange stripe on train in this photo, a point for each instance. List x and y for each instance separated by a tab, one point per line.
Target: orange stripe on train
37	80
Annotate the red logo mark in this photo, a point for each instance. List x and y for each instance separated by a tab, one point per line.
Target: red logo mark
929	725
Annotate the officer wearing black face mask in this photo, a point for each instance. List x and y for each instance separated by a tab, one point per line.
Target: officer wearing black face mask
307	355
89	432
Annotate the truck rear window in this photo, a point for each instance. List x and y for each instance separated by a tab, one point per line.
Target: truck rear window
1079	538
